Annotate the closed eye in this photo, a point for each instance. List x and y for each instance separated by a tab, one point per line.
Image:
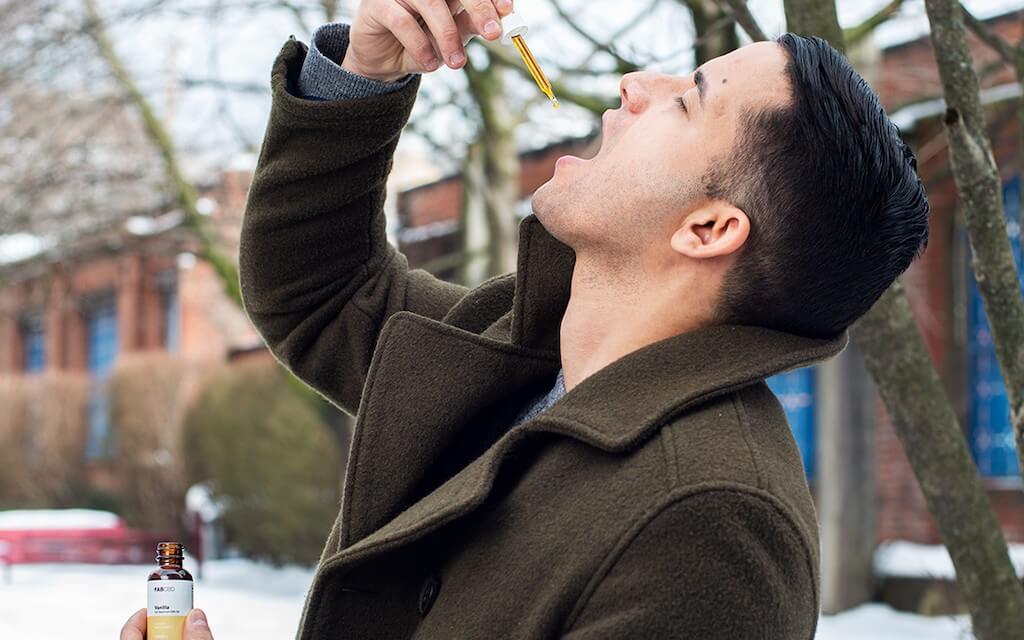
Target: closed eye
682	104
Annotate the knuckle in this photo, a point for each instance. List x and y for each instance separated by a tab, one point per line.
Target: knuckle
425	52
450	36
394	14
484	9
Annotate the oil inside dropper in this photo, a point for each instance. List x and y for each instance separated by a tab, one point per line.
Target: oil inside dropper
535	70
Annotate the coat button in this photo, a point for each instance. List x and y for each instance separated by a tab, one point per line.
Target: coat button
428	593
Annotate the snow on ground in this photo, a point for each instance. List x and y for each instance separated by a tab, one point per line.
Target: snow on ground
250	601
927	560
880	622
27	519
244	600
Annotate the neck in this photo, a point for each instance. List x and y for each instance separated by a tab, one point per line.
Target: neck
608	317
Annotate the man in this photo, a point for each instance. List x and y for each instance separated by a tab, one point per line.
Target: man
584	448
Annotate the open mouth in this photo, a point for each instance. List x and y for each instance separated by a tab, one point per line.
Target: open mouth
594	149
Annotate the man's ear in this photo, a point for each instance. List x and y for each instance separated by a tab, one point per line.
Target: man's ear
714	230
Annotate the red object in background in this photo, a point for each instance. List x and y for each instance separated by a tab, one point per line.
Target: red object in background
113	543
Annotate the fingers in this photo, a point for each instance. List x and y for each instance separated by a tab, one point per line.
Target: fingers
441	23
135	628
484	16
407	30
196	627
467	30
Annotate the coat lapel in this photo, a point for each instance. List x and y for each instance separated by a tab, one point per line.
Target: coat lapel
432	383
428	384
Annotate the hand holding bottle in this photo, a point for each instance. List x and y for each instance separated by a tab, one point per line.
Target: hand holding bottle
196	626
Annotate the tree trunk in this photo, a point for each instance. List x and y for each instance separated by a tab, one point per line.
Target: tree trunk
183	190
500	188
845	418
815	18
980	190
474	226
715	31
935	445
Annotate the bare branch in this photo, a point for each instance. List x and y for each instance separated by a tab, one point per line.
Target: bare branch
184	190
745	19
622	64
1010	54
854	35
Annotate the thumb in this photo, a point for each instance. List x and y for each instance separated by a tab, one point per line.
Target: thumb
196	627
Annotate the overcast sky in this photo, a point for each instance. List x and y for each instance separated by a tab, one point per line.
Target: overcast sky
248	42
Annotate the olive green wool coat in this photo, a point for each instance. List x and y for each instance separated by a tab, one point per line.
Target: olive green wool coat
662	497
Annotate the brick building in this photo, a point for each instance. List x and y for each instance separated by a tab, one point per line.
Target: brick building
133	286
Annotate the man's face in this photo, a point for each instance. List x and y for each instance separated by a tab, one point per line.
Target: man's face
647	175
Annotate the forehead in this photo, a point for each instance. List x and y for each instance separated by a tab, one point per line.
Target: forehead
755	73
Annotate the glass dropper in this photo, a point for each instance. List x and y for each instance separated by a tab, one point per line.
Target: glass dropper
515	28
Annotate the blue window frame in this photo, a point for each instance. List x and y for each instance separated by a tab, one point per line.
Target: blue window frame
101	329
172	326
33	338
991	435
102	333
796	392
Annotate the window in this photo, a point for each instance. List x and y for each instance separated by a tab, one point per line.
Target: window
795	390
991	435
101	331
167	283
33	343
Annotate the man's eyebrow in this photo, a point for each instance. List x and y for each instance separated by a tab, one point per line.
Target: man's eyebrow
702	86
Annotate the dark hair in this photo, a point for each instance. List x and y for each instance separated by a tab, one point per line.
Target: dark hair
837	211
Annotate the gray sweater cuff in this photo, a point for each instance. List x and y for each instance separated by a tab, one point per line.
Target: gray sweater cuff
322	77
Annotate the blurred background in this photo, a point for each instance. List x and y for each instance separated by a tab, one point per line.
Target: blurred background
137	403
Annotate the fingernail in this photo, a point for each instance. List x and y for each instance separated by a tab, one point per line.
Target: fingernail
433	64
492	28
198	619
504	5
456	59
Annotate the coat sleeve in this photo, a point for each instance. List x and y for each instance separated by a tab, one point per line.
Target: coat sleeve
719	565
317	273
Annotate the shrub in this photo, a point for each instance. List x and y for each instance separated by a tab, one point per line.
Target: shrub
148	398
43	430
270	458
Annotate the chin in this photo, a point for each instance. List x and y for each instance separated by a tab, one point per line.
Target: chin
549	205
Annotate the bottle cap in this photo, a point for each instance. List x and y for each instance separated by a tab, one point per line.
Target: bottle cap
513	25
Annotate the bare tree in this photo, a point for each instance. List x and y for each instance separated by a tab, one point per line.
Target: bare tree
980	190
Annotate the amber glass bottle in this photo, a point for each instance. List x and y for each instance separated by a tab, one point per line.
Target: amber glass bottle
169	594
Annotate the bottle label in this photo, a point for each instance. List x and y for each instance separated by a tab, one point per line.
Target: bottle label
168	603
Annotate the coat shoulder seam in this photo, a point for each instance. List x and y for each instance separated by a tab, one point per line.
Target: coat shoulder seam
744	425
668	500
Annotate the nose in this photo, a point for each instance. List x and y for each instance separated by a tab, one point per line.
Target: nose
637	88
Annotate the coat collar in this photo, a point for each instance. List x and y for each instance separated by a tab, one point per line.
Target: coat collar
408	426
622	403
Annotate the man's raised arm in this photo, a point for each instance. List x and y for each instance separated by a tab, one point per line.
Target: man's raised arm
317	274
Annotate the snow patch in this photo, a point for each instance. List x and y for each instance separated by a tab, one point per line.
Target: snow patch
15	247
147	226
200	500
912	560
881	622
49	519
246	600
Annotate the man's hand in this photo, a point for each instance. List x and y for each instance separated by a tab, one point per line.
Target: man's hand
196	627
392	38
